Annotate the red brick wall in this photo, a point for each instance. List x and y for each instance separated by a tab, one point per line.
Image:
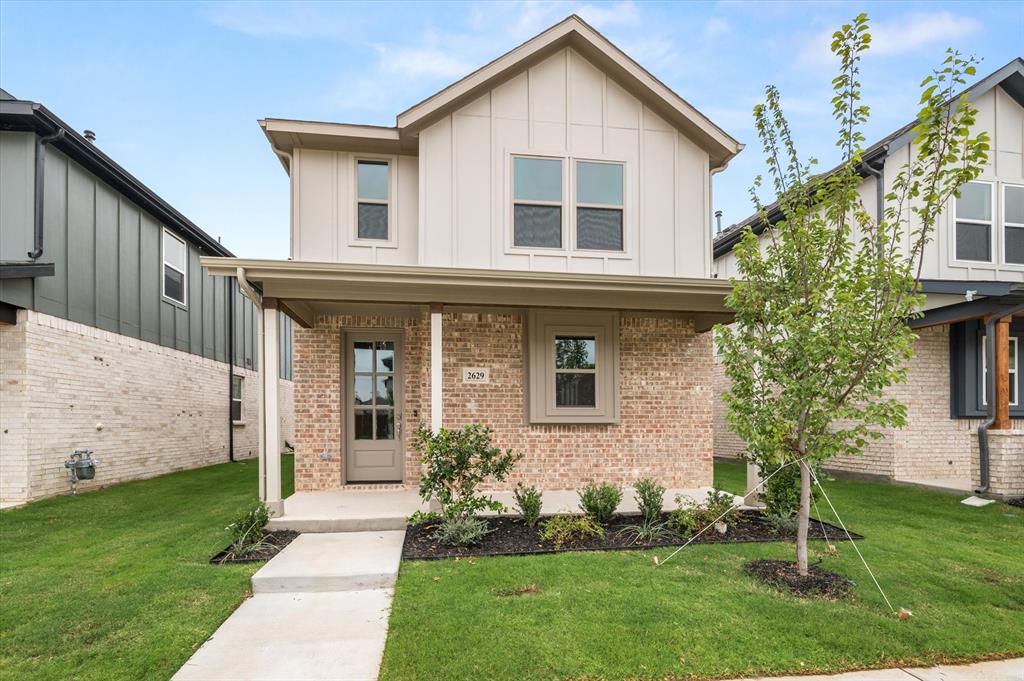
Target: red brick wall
665	430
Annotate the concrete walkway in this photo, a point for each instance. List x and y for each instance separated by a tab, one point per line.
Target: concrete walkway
1003	670
319	611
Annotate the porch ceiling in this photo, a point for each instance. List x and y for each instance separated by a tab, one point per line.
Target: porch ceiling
298	284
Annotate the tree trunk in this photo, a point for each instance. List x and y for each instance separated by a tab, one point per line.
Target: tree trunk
803	518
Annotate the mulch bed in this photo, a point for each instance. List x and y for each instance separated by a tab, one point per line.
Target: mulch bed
510	536
1018	502
277	541
784	576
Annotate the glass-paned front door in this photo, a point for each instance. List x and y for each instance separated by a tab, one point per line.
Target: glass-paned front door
373	405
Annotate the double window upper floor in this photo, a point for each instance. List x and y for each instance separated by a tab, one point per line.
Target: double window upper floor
989	225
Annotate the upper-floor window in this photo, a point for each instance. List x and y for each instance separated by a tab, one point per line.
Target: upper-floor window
974	222
372	200
1013	223
175	256
537	202
599	204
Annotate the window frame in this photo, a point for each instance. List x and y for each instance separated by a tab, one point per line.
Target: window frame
513	202
983	371
576	205
240	399
965	379
1004	224
993	239
542	328
392	165
183	303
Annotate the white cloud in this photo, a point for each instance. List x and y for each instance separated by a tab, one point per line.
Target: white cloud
421	62
282	20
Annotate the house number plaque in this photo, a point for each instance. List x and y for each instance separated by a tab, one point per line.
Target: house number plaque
476	375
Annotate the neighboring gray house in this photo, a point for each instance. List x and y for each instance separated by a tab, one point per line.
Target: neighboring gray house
112	336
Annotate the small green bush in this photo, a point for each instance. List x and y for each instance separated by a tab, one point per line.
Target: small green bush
567	529
650	497
459	531
782	524
246	532
688	520
781	494
423	518
529	502
600	501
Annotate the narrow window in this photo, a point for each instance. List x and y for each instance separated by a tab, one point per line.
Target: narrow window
1013	372
599	202
974	222
1013	223
175	259
372	190
236	398
575	371
537	202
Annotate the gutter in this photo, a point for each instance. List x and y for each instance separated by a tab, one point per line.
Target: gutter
231	365
990	394
41	142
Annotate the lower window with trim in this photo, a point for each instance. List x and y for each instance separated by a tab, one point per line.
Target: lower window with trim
968	363
573	367
236	397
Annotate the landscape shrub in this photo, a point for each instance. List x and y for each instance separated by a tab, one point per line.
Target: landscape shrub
529	502
423	518
646	531
461	531
650	498
567	529
246	532
455	462
688	520
781	494
600	501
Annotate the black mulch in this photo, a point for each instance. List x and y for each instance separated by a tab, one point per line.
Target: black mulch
509	536
276	541
1018	502
784	576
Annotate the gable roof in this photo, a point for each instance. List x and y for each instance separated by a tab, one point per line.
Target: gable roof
1010	78
572	32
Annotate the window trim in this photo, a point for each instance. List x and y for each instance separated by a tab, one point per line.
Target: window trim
576	205
994	241
542	327
513	202
391	203
240	399
183	272
983	371
1004	223
965	401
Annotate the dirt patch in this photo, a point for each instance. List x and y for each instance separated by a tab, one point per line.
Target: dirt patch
783	575
528	590
274	543
511	536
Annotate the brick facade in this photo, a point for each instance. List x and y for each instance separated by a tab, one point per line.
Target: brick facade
143	408
665	429
932	446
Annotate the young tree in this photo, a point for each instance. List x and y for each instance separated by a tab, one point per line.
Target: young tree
822	299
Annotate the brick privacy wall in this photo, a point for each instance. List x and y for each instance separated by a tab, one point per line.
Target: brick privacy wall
666	421
145	409
1005	463
931	446
727	443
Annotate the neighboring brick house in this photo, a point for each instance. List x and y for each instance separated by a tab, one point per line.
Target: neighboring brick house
973	273
529	248
112	337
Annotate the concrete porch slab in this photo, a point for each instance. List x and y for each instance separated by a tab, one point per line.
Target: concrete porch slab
288	636
347	561
374	511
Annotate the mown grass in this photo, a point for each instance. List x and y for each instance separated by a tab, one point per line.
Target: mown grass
614	615
115	584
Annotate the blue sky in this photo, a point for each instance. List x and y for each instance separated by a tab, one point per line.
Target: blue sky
174	90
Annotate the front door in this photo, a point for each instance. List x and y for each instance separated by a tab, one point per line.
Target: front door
373	406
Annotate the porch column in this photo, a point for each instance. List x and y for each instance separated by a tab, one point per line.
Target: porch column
270	445
1002	371
436	374
752	498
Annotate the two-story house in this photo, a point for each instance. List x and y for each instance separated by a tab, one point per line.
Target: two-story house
964	413
529	248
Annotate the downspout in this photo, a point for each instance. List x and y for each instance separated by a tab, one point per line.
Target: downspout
250	293
231	366
879	187
990	394
37	237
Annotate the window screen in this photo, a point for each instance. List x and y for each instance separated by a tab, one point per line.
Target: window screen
1013	223
537	202
974	222
175	267
599	201
372	209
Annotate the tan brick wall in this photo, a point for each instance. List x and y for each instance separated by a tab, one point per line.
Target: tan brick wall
1005	463
931	446
665	429
727	443
145	409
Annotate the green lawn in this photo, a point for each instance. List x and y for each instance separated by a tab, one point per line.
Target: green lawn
115	584
611	615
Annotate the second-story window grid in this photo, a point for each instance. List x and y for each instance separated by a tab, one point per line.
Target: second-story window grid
537	202
1013	224
372	198
973	237
600	200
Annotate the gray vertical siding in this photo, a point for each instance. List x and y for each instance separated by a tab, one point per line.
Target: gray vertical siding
108	262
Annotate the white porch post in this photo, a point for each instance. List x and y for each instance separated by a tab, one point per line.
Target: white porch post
436	375
753	480
270	446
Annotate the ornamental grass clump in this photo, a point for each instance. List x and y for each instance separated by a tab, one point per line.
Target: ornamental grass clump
600	501
246	532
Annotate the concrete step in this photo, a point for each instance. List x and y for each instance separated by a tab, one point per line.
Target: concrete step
321	525
345	561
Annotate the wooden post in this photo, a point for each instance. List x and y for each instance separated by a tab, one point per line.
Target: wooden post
1002	371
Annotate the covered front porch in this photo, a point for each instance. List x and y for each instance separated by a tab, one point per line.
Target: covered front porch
382	350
